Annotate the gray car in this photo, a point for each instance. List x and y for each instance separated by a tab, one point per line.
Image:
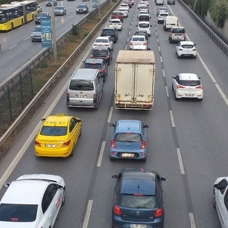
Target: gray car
60	11
36	34
169	2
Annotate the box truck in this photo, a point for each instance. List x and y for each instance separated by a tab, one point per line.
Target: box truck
134	80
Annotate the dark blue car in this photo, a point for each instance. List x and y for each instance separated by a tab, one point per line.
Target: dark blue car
128	140
138	199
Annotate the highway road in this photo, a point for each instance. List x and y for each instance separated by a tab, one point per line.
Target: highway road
16	45
187	139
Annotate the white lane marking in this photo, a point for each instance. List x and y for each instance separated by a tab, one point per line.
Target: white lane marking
125	47
110	114
156	33
159	49
87	215
27	38
13	46
127	39
157	40
171	118
181	164
161	59
101	154
192	220
163	73
167	91
24	148
222	94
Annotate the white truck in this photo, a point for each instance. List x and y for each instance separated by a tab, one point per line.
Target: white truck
134	80
169	22
159	2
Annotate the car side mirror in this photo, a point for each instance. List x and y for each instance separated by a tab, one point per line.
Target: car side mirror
114	176
6	185
136	25
112	125
221	185
195	44
43	119
148	49
161	178
174	77
145	126
150	25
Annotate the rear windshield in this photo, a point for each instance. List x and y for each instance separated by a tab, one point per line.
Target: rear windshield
144	18
115	21
138	39
82	85
116	13
178	30
134	201
92	66
53	131
187	46
107	32
144	25
102	40
128	137
100	52
18	213
189	83
163	14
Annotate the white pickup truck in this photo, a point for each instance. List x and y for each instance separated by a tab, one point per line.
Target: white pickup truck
134	80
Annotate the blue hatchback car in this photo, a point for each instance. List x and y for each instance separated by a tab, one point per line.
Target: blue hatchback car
138	199
128	140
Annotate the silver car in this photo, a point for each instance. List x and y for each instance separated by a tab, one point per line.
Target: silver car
36	34
60	11
220	200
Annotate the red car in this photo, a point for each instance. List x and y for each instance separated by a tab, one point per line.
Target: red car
117	15
129	3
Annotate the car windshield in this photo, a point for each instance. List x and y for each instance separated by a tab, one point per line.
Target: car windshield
178	30
188	46
123	10
163	14
107	31
115	21
100	52
81	6
189	82
128	137
93	66
18	212
58	7
82	85
144	25
137	201
138	39
101	41
37	29
144	18
53	130
42	15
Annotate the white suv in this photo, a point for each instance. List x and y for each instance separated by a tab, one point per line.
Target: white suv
186	49
177	33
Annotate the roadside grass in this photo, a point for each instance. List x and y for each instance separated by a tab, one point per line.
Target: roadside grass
19	98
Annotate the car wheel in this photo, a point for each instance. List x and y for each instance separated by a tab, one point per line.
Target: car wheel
194	57
109	62
72	151
80	132
64	196
111	158
178	56
170	41
201	99
175	96
144	159
172	87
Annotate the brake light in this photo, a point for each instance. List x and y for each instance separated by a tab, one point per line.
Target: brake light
193	49
107	56
180	49
91	56
143	145
180	87
199	87
37	143
117	210
95	98
131	43
113	144
101	70
66	144
137	194
144	43
158	212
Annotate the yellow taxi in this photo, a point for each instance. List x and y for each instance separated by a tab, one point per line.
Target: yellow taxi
58	136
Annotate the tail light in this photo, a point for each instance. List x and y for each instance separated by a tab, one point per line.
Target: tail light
113	144
107	56
144	43
180	87
180	49
91	56
199	87
68	97
193	49
117	210
143	145
37	143
95	98
66	144
101	70
131	43
158	212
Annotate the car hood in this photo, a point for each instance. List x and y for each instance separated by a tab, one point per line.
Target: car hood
36	33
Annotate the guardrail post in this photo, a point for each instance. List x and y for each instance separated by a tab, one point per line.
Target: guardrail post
21	91
10	108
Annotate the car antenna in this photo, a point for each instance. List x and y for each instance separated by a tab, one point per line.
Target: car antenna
138	188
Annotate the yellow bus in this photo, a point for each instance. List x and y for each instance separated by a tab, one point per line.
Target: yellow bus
16	14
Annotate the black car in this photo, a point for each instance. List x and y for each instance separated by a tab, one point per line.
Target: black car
49	3
138	199
97	64
82	8
102	52
40	16
112	32
142	33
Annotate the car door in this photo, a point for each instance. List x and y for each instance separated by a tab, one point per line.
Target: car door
74	130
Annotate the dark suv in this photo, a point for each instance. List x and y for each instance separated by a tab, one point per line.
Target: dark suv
102	52
97	64
117	15
138	199
112	32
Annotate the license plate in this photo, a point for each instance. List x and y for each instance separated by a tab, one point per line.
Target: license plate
125	155
50	145
138	226
81	96
189	95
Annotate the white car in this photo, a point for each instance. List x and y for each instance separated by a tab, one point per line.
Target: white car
187	85
32	201
145	2
124	11
186	49
161	9
138	43
145	8
115	23
141	10
125	5
103	41
145	26
162	16
140	4
220	200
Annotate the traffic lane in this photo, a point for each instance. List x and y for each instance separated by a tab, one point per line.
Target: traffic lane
213	56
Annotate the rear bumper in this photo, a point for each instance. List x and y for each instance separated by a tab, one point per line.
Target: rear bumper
61	152
134	106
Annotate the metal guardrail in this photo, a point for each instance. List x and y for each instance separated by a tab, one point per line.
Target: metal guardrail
58	72
208	30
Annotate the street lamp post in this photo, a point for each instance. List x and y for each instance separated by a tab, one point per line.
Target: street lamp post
53	33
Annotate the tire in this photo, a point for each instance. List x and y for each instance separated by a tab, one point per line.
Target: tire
144	159
170	41
80	133
172	87
109	62
64	197
175	96
214	203
111	158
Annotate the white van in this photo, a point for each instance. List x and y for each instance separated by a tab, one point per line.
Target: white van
85	89
159	2
169	22
144	26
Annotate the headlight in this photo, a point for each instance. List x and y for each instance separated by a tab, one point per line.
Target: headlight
84	9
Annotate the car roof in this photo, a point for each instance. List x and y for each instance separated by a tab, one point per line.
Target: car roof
84	74
188	76
109	28
57	120
138	36
128	125
102	37
144	22
177	27
101	48
144	14
187	42
94	60
138	181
